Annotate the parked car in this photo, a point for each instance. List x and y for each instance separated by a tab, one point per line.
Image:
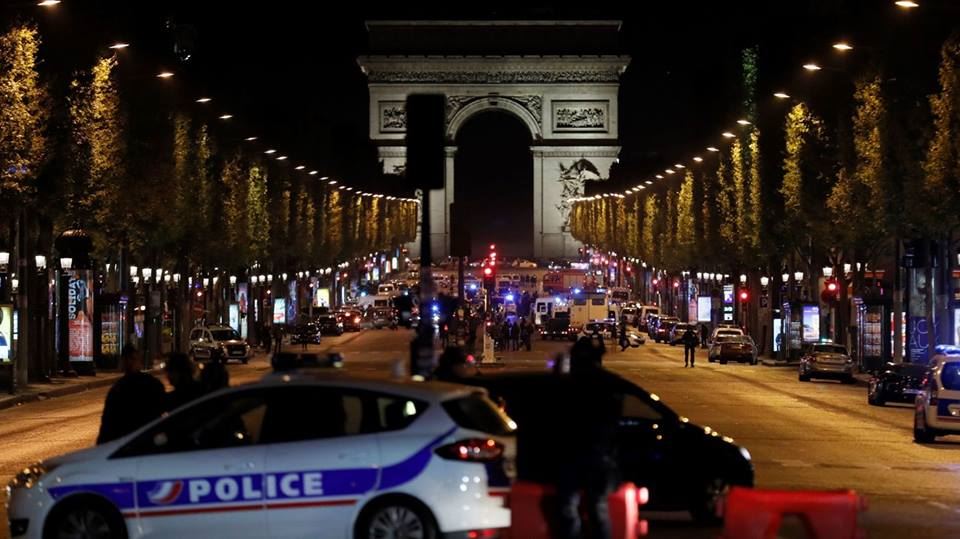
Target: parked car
684	466
558	327
677	331
218	343
380	318
605	328
739	348
826	360
724	329
661	333
896	382
308	333
937	407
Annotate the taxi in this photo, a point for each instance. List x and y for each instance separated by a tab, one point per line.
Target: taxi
294	455
937	406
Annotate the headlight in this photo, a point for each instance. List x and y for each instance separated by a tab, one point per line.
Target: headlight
29	475
745	453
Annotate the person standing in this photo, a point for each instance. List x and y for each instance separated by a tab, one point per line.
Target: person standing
180	373
525	333
624	341
704	334
136	399
689	347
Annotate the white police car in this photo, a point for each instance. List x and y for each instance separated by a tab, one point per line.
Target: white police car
291	456
937	407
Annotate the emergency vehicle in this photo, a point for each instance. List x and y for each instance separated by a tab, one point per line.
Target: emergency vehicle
937	407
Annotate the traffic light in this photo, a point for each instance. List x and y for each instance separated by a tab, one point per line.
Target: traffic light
744	295
831	292
489	278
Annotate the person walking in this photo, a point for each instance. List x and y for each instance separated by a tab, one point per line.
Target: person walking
180	373
689	347
624	341
136	399
526	328
515	335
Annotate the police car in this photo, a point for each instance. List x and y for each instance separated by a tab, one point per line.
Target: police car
937	407
295	455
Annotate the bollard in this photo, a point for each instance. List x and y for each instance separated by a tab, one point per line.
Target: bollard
758	514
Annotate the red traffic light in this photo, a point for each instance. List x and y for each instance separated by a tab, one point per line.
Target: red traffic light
493	246
832	286
488	271
744	295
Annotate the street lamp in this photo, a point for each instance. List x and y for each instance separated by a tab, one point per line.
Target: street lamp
727	134
176	278
270	278
798	276
4	258
66	263
847	267
905	4
843	46
764	281
827	272
15	284
41	262
133	271
147	273
781	95
812	67
785	277
699	276
743	278
233	280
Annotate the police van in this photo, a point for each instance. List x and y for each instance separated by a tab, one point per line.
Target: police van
294	455
937	407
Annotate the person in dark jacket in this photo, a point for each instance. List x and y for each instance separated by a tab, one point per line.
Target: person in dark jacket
213	376
590	426
180	373
136	399
452	366
690	342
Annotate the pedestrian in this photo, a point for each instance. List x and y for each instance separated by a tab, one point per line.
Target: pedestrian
515	335
590	425
181	375
689	347
624	342
525	330
703	335
136	399
213	377
452	366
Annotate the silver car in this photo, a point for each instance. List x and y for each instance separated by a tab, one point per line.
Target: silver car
220	343
826	360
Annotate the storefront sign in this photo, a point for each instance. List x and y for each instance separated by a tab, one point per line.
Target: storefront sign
811	323
6	333
321	297
279	311
80	316
777	333
704	306
234	313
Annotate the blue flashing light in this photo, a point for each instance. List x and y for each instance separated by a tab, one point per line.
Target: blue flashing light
576	290
435	308
473	287
509	297
948	350
363	294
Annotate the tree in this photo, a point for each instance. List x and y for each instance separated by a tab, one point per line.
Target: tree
754	221
650	236
258	218
686	228
235	207
24	114
941	168
726	203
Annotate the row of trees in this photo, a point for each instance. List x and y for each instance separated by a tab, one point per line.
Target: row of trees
146	177
822	189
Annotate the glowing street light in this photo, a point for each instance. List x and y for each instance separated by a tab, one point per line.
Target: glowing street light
812	67
843	46
250	139
119	46
781	95
226	116
48	3
331	182
299	167
712	149
659	176
281	158
270	151
727	134
678	165
742	121
204	100
698	159
648	182
670	171
312	173
906	4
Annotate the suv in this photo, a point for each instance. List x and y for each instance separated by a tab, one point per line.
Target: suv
220	343
661	333
937	408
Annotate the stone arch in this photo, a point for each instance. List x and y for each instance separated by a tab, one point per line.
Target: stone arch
493	103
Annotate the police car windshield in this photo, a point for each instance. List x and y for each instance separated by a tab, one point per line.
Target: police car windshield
224	334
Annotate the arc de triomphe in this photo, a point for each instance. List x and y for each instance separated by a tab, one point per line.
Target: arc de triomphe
568	103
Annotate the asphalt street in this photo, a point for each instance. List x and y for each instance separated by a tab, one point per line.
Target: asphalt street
817	435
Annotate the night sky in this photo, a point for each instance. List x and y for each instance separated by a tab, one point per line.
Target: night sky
287	70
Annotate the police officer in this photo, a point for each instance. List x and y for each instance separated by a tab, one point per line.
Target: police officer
690	342
136	399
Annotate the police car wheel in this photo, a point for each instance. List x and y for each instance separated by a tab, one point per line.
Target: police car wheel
922	434
85	519
396	519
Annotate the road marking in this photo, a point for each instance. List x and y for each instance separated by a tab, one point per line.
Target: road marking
792	463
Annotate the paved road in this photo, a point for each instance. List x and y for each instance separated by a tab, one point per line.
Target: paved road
802	435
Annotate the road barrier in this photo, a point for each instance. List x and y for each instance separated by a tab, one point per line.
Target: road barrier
532	504
758	514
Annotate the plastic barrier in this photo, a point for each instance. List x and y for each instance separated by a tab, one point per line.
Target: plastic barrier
531	505
758	514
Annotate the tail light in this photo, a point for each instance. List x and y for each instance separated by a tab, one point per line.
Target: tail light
472	450
356	320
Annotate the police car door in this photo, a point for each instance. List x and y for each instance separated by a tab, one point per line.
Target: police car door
322	460
200	471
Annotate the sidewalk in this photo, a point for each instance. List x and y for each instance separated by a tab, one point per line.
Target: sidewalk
57	387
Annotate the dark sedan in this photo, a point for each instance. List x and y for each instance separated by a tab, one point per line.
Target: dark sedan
308	333
897	382
684	466
351	320
329	324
